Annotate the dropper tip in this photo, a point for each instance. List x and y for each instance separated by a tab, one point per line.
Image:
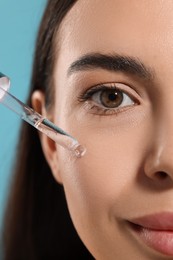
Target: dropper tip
79	150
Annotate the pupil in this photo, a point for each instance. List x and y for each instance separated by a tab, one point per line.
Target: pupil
111	98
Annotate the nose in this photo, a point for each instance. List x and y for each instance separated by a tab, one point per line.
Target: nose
159	160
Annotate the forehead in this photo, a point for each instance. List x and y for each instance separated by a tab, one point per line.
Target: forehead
136	28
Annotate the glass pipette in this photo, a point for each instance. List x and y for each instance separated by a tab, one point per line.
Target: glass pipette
37	120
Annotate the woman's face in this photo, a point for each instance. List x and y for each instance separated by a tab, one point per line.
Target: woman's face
114	93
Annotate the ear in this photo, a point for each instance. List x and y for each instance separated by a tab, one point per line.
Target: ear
48	145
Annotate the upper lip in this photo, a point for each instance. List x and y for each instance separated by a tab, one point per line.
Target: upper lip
160	221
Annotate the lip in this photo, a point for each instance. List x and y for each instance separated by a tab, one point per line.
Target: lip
156	231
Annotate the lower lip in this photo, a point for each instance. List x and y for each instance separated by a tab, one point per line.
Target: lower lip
159	240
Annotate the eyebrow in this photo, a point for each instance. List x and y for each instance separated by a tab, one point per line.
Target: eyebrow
114	63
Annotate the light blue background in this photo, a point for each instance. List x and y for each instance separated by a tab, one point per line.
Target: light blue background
19	21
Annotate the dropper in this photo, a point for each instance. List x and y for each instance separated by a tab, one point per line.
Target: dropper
38	121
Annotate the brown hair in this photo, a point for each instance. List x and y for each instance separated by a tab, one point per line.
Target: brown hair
37	223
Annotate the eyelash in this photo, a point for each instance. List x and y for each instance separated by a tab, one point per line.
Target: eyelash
99	109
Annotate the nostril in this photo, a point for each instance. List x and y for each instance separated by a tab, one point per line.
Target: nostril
162	175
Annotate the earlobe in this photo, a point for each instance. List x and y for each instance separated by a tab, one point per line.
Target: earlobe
48	145
54	165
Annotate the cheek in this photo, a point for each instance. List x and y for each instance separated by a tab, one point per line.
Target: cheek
98	182
98	185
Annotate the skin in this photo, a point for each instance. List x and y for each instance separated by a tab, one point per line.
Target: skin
127	171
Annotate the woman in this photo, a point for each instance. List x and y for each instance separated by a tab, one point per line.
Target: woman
102	72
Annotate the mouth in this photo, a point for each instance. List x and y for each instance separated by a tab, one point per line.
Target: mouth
156	231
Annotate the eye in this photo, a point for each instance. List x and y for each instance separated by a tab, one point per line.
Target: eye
112	98
109	98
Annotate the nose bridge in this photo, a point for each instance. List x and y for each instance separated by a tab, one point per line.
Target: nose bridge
160	157
164	124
